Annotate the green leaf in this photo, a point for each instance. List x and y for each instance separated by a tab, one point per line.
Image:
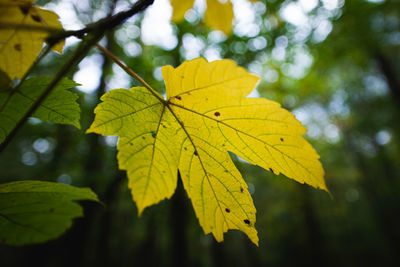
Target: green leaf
36	211
5	82
59	107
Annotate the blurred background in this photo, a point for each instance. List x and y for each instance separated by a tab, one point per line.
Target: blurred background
334	63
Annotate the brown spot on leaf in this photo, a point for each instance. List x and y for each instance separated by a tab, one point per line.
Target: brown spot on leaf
227	210
142	138
271	170
282	139
246	221
217	114
195	153
36	18
185	148
241	190
178	97
51	210
18	47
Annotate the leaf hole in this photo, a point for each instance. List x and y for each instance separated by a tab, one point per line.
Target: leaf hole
153	134
195	153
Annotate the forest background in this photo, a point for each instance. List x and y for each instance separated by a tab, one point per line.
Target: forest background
333	63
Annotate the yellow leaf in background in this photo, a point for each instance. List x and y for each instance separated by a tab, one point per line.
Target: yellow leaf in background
219	16
20	45
206	114
179	8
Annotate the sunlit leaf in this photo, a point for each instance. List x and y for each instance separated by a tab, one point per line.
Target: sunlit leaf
20	36
206	114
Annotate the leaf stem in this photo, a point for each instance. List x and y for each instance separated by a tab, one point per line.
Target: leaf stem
130	71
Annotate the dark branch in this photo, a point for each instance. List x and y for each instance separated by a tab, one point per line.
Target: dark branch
106	23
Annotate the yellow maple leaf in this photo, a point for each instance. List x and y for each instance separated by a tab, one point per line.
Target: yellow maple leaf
20	37
206	114
218	15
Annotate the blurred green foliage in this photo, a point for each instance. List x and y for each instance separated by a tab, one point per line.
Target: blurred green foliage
335	65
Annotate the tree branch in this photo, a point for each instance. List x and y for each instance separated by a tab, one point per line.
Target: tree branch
107	23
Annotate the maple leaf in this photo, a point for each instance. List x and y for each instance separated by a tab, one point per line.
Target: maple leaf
19	44
206	114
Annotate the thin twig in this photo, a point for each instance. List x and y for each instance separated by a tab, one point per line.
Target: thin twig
129	71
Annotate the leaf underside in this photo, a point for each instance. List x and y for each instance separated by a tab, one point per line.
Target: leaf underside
60	106
206	114
36	211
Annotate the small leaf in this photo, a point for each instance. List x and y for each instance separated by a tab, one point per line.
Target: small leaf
19	45
36	211
60	106
206	115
